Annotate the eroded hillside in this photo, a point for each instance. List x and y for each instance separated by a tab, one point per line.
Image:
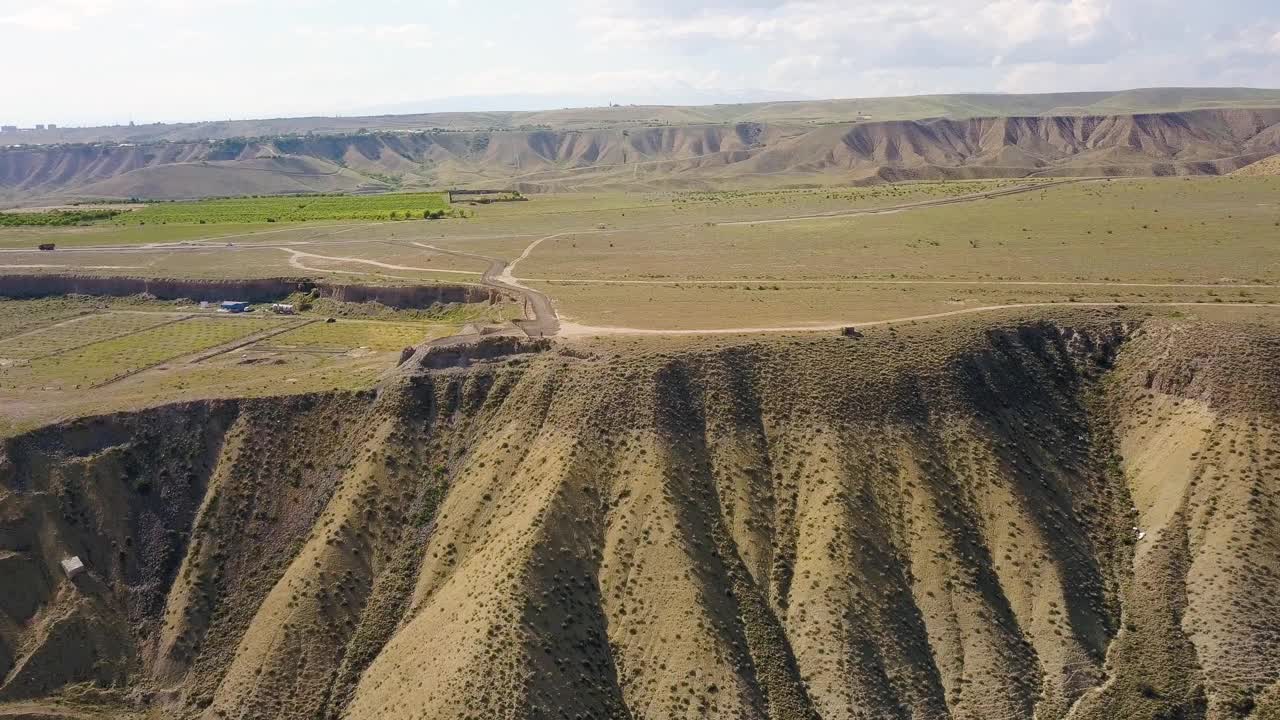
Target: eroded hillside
1200	142
1068	517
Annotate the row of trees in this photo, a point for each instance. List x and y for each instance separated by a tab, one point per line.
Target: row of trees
55	218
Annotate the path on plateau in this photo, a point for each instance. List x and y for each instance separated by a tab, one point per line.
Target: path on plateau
544	321
575	330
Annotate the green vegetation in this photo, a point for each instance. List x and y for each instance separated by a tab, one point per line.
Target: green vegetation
119	356
79	332
21	316
350	335
854	197
398	206
55	218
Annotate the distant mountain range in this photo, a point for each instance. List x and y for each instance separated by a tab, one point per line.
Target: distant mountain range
1134	133
453	114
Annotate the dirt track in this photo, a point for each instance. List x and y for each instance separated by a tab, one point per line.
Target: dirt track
568	329
545	322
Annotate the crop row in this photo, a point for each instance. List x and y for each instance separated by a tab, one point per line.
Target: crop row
117	357
399	206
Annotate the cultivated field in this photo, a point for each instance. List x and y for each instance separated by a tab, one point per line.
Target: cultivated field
125	349
307	208
353	335
79	355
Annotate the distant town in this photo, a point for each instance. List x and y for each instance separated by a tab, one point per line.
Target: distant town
15	128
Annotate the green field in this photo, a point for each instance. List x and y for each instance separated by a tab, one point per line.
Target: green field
100	362
27	316
55	218
79	332
350	335
399	206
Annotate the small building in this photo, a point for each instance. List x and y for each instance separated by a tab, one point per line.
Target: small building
283	309
72	567
8	128
52	126
234	306
39	127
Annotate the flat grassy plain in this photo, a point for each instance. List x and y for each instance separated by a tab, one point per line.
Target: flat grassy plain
697	260
702	306
1156	230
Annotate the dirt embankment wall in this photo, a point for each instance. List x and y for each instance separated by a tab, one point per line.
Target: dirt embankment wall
258	290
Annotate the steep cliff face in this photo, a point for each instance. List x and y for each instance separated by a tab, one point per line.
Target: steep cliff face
1195	142
260	290
1060	519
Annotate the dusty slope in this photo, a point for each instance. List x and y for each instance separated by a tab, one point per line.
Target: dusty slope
1199	142
1062	518
1268	166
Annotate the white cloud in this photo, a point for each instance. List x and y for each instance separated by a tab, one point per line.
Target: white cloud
332	56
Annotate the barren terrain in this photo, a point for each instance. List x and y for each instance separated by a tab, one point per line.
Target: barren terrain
1066	514
722	447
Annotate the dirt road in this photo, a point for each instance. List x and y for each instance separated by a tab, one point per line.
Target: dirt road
569	329
544	321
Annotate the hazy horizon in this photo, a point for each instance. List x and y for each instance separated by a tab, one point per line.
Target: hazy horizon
181	61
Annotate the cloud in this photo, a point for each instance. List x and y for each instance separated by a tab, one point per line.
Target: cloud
405	35
839	46
67	16
330	56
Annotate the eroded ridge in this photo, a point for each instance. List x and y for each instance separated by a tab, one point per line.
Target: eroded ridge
1068	516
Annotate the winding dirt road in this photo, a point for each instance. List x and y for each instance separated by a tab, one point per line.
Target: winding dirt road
568	329
544	321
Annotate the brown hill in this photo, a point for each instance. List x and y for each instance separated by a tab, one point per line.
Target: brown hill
1073	516
1200	142
957	106
1268	166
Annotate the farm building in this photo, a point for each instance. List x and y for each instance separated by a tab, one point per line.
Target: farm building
234	306
283	309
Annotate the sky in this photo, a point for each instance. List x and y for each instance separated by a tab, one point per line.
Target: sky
85	62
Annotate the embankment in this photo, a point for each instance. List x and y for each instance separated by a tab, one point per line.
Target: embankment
257	291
